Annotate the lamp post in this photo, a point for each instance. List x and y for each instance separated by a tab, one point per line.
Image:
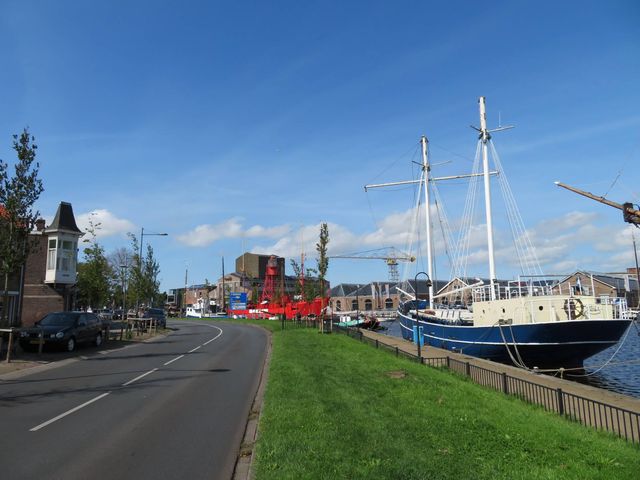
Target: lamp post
417	334
123	270
142	234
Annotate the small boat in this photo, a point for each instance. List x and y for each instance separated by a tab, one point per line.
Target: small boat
534	322
369	322
194	311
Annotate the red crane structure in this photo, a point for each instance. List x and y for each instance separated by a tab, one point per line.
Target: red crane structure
271	277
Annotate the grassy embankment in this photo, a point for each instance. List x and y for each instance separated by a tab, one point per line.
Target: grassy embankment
334	408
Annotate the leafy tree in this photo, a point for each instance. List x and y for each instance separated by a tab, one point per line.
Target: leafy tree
119	258
144	283
311	289
323	261
18	194
96	278
297	270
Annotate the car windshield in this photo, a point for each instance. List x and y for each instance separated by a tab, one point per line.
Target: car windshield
58	320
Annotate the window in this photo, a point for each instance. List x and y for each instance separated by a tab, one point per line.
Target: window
388	304
338	305
354	305
368	305
51	255
68	255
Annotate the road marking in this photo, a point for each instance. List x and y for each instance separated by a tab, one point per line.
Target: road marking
68	412
105	352
139	377
214	338
173	360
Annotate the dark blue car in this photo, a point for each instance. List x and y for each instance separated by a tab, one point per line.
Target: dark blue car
63	329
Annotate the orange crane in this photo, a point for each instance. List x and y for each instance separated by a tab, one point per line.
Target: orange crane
630	212
390	255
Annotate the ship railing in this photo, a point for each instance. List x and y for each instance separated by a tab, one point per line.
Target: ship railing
511	290
586	411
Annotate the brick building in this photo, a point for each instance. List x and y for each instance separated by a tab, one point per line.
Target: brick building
46	283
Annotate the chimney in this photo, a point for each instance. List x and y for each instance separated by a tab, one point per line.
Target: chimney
40	224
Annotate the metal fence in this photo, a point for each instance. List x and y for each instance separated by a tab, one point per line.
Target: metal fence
586	411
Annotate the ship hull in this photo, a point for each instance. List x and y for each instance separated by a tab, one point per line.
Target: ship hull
563	344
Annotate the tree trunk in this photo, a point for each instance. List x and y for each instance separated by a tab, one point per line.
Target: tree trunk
5	302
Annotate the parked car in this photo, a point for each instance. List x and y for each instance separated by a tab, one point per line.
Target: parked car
63	329
156	314
117	314
106	315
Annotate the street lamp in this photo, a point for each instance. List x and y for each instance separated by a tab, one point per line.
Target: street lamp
418	336
123	269
142	234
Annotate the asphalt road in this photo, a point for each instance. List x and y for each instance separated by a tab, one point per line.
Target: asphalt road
170	409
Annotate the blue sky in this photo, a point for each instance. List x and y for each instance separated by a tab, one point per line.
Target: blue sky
231	124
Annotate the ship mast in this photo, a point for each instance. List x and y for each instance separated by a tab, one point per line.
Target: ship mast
485	137
424	182
426	170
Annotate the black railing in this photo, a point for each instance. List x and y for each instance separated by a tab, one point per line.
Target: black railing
586	411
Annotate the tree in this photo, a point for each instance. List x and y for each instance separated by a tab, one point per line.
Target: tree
96	278
297	270
121	262
18	194
144	284
310	290
323	260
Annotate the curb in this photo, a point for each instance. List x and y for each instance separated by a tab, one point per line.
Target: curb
243	469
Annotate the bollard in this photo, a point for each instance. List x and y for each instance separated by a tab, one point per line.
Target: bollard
10	346
41	341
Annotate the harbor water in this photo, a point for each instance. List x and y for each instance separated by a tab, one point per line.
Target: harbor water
621	373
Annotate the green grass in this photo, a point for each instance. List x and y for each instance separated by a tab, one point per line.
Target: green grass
332	411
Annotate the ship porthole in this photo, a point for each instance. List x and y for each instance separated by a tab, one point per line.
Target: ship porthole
503	310
540	308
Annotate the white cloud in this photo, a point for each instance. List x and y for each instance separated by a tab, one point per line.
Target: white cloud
206	234
107	223
563	244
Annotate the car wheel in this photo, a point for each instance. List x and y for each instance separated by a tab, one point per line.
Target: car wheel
98	340
71	344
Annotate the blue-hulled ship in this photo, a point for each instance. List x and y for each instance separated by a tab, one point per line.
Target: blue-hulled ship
535	321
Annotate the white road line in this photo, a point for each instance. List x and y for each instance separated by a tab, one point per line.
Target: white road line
104	352
173	360
214	338
68	412
139	377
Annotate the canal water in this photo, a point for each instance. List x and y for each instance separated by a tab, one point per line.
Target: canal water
621	374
